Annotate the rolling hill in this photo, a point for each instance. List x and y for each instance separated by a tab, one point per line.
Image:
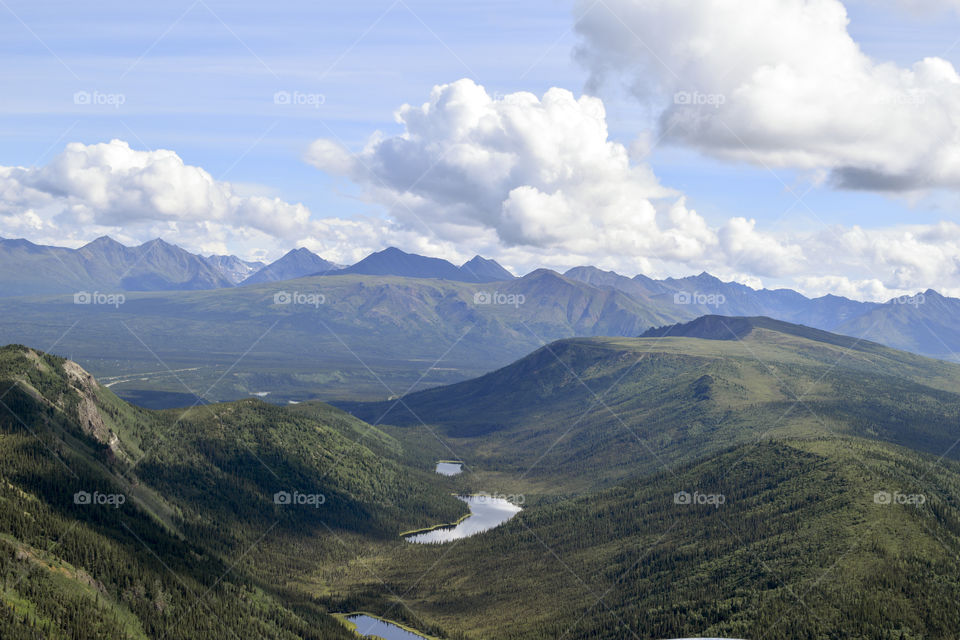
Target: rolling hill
589	410
744	478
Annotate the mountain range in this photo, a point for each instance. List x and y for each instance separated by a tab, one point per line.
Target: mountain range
422	321
235	269
296	263
394	262
376	336
106	265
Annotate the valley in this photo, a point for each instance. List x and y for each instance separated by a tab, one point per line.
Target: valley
740	478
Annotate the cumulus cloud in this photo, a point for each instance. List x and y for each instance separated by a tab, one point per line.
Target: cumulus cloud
780	83
756	252
529	181
110	188
539	173
537	182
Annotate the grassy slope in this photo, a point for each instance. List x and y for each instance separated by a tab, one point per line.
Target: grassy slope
586	410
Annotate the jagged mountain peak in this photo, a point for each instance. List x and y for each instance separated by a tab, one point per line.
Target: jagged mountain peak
296	263
485	270
103	241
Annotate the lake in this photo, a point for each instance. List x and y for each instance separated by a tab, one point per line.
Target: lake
449	468
485	513
369	626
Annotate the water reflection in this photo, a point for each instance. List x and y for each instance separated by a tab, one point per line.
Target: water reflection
485	513
449	468
369	626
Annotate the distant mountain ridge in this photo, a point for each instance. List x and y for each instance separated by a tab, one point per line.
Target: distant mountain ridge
296	263
705	294
611	303
31	269
395	262
485	270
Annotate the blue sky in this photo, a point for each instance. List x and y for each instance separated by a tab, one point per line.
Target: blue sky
199	77
205	87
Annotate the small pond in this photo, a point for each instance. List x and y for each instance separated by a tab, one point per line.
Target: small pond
486	512
447	468
368	626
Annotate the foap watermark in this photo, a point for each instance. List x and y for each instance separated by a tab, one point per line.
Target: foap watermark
495	297
701	499
299	99
697	99
96	297
901	98
514	498
99	99
709	299
295	498
914	300
895	497
297	297
99	499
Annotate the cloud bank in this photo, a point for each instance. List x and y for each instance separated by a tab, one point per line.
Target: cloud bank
531	181
539	173
535	178
110	188
537	181
780	83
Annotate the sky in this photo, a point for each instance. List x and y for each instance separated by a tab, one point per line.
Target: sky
813	144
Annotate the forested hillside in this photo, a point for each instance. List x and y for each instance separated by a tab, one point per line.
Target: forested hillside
116	522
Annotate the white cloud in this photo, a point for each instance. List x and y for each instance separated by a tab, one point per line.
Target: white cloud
870	289
529	181
110	188
537	182
780	83
756	252
537	174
